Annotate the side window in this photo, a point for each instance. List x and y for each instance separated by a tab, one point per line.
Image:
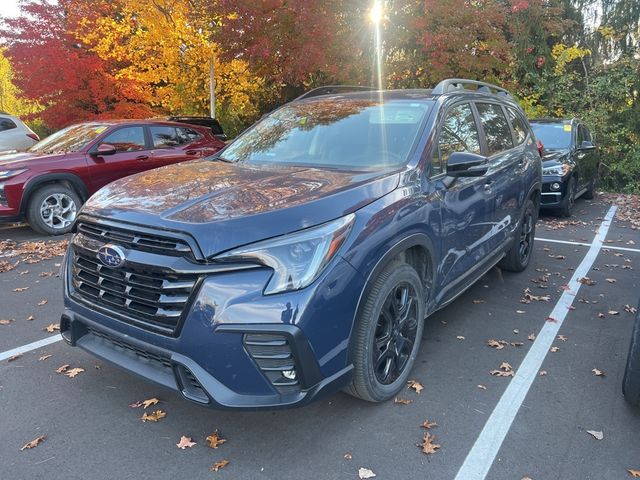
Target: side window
583	135
6	124
496	128
519	126
128	139
164	137
186	135
459	133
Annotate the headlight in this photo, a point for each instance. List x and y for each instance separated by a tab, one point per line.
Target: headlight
4	174
296	259
559	170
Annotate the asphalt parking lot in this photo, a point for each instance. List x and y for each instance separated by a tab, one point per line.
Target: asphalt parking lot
533	424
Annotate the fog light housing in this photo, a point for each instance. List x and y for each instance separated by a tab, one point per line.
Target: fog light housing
555	186
290	374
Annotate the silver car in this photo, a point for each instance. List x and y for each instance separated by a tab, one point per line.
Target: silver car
15	135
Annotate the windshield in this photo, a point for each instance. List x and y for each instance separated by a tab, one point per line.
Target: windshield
359	134
70	139
554	136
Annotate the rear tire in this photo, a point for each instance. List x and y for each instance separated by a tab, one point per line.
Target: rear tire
631	381
52	209
519	255
387	334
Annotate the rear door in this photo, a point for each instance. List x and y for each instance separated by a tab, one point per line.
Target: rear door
174	144
504	177
466	204
131	155
586	159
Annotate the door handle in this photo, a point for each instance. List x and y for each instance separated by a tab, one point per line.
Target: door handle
191	152
142	157
487	187
581	155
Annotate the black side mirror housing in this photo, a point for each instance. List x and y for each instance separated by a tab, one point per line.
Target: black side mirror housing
466	164
586	145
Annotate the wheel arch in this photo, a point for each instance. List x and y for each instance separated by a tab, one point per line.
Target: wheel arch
69	179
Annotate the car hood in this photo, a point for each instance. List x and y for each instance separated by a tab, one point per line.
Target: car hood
24	159
224	205
555	157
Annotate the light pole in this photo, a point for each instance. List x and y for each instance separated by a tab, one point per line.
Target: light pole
212	89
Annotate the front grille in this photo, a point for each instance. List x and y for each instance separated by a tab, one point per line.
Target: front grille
272	353
145	242
159	360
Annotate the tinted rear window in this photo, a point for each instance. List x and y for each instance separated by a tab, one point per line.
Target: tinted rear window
6	124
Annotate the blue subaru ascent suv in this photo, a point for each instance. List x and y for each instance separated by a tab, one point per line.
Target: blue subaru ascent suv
304	257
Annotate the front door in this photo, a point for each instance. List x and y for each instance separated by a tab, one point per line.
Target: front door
466	204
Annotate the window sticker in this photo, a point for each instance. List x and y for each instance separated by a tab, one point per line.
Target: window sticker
100	129
567	128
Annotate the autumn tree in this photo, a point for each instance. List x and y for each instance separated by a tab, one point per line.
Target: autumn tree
70	82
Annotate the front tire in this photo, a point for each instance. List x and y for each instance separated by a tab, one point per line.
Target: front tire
569	200
52	209
387	334
519	255
631	381
590	194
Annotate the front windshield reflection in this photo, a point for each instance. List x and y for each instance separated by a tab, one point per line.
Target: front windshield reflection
346	134
70	139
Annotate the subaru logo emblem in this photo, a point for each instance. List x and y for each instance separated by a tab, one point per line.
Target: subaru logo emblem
111	256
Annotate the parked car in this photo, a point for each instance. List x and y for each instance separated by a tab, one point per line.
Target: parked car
15	135
304	257
631	381
208	122
48	183
570	163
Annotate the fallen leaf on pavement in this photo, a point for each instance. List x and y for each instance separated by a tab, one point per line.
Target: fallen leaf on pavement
610	280
598	373
365	473
427	424
402	401
505	370
586	281
31	317
427	446
42	302
214	440
601	315
44	357
532	337
34	443
478	302
629	309
185	442
526	478
634	473
6	321
52	327
481	387
497	344
554	349
417	386
562	338
543	373
154	417
20	289
150	402
520	311
348	456
596	434
613	312
218	465
63	368
14	357
74	372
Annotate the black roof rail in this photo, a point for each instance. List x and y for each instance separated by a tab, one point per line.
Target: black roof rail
333	90
452	84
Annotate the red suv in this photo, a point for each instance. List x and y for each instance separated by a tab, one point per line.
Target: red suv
48	183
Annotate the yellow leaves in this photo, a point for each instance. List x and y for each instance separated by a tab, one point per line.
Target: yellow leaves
153	417
218	465
214	440
34	443
564	55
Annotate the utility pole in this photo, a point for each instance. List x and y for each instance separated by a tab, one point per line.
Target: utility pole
212	90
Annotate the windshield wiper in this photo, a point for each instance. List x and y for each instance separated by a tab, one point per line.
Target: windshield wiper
219	159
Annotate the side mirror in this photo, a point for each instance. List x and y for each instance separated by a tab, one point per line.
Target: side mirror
586	145
466	164
104	149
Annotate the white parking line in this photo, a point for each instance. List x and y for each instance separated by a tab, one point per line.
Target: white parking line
30	346
582	244
483	453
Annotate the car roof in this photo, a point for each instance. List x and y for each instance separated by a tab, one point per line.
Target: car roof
139	121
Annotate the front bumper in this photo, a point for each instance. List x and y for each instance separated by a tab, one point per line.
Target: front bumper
552	198
234	345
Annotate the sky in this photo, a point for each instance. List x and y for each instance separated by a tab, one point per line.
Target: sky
8	8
